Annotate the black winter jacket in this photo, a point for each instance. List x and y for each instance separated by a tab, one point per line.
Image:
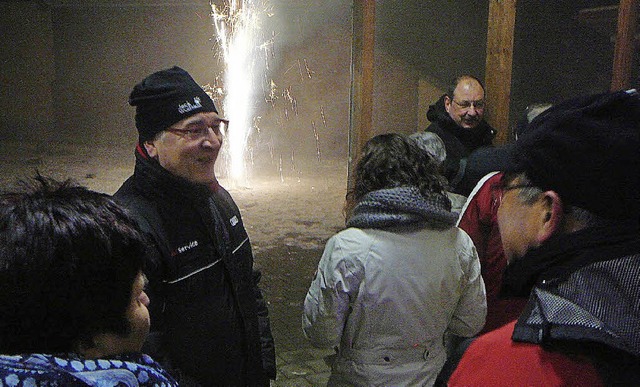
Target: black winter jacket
209	321
459	142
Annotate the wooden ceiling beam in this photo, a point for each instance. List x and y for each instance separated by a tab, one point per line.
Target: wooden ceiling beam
362	67
499	63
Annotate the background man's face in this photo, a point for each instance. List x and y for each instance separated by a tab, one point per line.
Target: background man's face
189	148
466	108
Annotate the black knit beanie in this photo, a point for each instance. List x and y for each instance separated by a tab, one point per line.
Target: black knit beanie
587	149
166	97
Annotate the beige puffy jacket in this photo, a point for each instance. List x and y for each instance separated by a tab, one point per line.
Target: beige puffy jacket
385	298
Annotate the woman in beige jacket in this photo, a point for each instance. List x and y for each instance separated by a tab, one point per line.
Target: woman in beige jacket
398	278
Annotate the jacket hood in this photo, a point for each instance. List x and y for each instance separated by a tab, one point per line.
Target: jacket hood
437	112
482	134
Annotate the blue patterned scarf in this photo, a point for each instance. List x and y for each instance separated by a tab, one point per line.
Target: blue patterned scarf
402	206
47	370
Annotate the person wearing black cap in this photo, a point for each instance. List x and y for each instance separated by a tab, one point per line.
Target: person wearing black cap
210	323
569	223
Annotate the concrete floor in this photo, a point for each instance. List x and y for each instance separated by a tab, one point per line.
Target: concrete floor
287	273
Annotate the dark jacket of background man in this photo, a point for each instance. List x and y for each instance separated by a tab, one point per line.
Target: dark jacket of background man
459	140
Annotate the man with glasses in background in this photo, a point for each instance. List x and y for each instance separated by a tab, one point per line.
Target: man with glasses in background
568	217
209	322
458	118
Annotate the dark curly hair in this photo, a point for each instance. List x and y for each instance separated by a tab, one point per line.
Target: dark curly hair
68	261
393	160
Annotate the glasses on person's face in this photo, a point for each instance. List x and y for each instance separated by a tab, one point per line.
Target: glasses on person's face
503	186
200	129
465	105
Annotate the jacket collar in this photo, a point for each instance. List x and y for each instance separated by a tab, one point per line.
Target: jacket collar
565	253
156	181
470	138
585	289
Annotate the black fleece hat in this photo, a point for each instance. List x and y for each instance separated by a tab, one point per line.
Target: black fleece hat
166	97
587	149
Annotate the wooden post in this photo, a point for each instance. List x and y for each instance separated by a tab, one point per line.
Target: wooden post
625	45
362	60
502	17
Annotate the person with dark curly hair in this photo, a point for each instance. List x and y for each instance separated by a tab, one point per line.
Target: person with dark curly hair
390	286
73	311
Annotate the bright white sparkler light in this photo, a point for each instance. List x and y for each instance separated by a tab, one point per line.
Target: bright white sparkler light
237	25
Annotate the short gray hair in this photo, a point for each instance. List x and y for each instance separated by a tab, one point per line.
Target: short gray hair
432	144
529	194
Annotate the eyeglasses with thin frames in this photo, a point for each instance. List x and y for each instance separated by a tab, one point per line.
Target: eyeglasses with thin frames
500	188
198	132
478	105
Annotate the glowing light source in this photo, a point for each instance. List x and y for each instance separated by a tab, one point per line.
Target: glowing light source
237	25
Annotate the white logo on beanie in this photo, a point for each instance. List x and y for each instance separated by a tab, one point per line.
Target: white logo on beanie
188	106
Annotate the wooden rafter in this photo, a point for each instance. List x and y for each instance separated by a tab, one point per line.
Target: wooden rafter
624	48
362	66
499	63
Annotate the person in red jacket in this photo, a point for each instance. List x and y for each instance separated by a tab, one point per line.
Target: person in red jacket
569	223
479	218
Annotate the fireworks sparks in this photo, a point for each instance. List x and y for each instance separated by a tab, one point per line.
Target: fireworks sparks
245	52
237	25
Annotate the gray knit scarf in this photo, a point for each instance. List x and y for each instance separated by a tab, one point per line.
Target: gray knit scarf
402	206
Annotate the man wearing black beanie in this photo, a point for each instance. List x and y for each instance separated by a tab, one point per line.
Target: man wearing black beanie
569	223
209	322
